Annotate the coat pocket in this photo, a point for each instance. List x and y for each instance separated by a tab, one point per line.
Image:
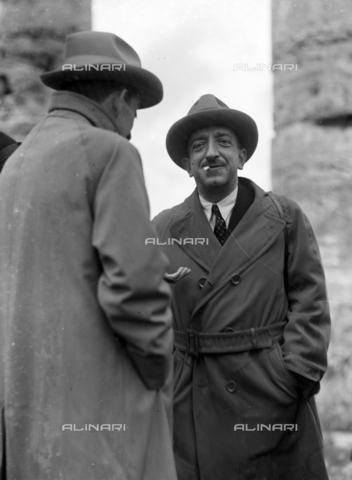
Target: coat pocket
266	378
290	380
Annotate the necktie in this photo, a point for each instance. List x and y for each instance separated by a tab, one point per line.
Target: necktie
220	225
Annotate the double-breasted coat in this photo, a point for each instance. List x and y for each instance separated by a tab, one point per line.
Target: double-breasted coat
249	316
85	319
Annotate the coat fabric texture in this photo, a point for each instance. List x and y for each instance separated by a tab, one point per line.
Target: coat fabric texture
265	289
85	327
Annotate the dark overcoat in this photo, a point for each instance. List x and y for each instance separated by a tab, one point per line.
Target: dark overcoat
85	318
239	411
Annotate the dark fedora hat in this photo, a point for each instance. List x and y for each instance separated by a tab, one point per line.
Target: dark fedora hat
206	112
7	146
104	56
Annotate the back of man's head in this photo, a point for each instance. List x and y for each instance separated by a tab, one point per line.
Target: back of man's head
100	90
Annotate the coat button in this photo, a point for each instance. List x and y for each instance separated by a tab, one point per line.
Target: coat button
231	387
229	330
236	279
201	282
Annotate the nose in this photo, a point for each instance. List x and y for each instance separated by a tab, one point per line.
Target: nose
212	150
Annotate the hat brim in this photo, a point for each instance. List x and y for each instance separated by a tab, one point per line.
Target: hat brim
145	82
242	124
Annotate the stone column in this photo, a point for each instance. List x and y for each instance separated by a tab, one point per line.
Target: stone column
312	161
31	42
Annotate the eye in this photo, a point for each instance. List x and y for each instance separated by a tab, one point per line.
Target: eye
197	146
224	141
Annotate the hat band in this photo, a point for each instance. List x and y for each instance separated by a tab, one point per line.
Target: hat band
81	62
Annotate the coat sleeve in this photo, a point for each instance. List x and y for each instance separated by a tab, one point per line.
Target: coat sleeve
131	289
306	335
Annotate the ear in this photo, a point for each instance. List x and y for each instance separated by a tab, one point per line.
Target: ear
119	98
186	163
242	155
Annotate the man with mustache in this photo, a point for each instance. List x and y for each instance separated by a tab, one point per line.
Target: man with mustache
251	317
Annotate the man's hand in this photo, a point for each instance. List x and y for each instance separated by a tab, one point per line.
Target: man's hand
175	277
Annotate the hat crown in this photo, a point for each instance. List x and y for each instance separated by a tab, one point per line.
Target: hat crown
207	102
102	56
99	47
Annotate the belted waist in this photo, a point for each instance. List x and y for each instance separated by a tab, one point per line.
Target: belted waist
195	343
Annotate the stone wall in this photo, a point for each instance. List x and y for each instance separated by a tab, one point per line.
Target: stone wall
31	42
312	161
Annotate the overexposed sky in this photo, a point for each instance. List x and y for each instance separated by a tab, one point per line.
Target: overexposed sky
193	46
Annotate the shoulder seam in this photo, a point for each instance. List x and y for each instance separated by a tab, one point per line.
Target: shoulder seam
283	207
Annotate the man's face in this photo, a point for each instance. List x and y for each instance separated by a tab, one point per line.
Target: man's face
127	112
213	159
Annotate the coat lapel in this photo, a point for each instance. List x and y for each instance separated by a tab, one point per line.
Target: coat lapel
192	225
245	244
245	199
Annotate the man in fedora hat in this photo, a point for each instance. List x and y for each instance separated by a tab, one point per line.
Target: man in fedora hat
85	319
250	309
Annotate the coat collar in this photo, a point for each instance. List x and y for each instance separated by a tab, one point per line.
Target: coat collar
89	109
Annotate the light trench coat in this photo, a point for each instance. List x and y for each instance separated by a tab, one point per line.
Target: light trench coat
85	319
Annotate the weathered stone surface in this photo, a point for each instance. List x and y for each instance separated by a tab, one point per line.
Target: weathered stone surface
298	23
313	166
312	162
31	42
317	37
337	449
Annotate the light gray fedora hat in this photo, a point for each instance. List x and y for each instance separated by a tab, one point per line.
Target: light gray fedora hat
93	56
206	112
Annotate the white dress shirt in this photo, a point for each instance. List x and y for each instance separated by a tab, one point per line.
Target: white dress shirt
225	205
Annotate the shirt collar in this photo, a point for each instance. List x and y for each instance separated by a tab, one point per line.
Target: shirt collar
225	205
